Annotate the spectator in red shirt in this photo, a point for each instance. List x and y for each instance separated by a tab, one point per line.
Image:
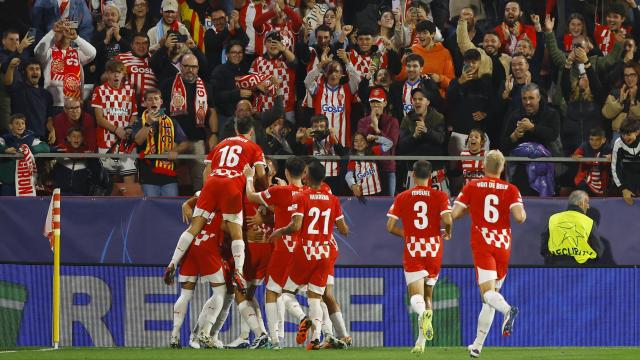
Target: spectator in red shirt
512	30
74	117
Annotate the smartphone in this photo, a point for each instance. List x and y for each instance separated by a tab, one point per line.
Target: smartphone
32	32
73	24
161	112
465	68
181	38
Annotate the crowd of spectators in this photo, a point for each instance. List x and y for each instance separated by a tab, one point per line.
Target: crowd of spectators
335	77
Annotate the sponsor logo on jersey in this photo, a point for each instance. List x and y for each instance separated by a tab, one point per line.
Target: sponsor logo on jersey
332	109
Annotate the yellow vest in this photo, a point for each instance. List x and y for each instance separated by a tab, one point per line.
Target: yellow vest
569	234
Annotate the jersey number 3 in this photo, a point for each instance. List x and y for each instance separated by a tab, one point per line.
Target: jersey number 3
422	221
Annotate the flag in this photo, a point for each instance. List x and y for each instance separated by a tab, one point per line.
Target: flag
52	223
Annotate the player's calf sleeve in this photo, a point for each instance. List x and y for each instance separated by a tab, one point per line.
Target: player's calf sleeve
327	326
485	319
496	301
315	314
256	308
293	306
211	310
180	310
224	313
338	323
417	304
273	320
237	249
249	315
183	244
281	313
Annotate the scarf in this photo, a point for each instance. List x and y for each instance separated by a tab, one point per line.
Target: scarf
175	26
179	100
165	136
251	81
26	173
511	34
66	68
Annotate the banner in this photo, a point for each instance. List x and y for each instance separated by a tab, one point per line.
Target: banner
131	306
145	231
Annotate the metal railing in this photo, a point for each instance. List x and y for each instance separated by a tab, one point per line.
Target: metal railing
323	157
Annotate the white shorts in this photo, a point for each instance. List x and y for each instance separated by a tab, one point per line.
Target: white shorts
417	275
123	167
291	286
217	278
486	275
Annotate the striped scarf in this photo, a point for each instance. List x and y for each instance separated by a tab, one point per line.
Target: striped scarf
192	20
165	143
26	173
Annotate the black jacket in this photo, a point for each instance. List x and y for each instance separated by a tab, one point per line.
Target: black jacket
465	99
564	260
215	43
430	143
545	131
626	175
223	85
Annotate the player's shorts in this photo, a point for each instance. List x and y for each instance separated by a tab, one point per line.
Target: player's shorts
491	263
256	262
313	273
201	264
122	167
333	257
221	194
278	270
416	268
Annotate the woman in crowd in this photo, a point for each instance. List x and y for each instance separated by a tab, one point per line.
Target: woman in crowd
140	19
623	101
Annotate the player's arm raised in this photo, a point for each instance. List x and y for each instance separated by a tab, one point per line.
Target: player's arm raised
393	228
261	176
187	208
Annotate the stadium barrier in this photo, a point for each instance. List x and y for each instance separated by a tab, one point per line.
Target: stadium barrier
122	230
130	306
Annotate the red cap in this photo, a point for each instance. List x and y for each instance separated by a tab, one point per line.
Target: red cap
378	94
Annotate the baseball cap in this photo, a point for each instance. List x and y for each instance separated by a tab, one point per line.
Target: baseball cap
377	94
169	5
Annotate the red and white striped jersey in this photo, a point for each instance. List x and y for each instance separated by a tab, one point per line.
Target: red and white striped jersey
594	180
325	147
472	169
366	174
335	104
287	75
118	105
407	103
285	30
247	14
140	74
362	62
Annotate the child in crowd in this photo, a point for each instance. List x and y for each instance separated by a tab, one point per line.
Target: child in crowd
475	143
593	177
10	143
363	176
75	176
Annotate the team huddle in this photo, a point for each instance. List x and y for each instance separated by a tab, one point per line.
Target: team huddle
244	232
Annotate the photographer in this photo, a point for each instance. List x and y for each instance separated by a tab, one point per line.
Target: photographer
320	139
157	133
166	61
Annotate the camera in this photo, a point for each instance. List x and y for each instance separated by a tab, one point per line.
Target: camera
319	135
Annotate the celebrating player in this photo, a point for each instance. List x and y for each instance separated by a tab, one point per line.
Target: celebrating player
279	198
489	201
314	214
222	193
421	209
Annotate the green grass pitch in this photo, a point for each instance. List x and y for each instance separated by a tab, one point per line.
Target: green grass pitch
434	353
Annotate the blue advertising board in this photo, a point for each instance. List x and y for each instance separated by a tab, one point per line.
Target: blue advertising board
130	306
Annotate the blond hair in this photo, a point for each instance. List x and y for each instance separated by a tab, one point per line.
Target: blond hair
493	162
